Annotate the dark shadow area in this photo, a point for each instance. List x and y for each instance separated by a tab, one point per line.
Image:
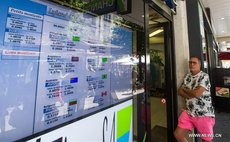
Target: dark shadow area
222	127
158	134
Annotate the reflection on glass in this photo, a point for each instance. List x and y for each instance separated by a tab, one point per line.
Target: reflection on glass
203	36
157	70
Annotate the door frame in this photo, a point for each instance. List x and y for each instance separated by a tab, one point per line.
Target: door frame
170	72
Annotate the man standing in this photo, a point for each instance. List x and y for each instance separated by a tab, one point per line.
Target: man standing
199	112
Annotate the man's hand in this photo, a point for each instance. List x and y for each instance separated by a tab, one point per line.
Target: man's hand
195	93
182	93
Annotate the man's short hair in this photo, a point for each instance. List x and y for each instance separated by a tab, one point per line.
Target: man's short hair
198	58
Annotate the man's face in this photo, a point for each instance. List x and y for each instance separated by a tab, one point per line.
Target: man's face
194	65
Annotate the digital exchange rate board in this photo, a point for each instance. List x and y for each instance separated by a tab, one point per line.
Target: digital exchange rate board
56	64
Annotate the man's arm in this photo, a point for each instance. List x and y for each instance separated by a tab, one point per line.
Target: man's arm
195	92
183	93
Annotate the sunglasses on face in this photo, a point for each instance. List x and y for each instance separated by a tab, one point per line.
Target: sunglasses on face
193	62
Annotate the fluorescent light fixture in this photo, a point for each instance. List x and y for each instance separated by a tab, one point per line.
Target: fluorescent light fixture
156	32
222	18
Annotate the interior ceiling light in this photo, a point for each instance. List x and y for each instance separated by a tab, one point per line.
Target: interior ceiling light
156	32
222	18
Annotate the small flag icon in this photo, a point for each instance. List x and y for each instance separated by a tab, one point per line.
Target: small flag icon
104	60
74	80
74	102
75	38
104	76
75	59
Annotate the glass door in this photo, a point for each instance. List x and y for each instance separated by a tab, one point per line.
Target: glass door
160	74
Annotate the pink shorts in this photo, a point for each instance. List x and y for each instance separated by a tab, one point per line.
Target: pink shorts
204	125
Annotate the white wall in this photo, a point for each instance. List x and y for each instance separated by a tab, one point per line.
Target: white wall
181	47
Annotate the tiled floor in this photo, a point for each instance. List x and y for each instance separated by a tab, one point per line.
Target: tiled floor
222	127
159	134
158	120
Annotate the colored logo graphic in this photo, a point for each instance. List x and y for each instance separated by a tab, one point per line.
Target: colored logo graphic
124	120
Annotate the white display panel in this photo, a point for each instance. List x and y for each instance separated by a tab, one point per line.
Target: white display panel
113	124
57	64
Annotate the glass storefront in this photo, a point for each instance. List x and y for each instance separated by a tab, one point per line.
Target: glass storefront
61	62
